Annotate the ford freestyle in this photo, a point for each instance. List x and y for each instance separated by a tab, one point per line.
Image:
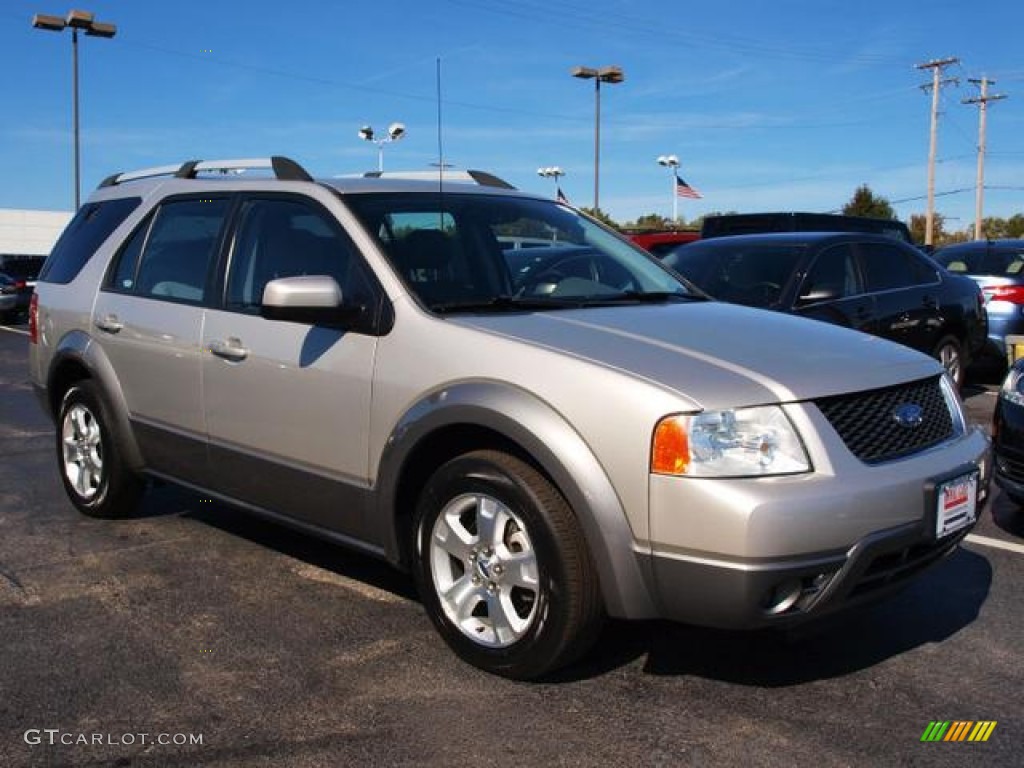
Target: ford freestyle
542	436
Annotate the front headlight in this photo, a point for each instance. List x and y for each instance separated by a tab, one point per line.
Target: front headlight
1013	386
744	442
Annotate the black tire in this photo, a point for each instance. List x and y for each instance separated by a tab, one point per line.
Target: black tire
536	628
949	352
91	466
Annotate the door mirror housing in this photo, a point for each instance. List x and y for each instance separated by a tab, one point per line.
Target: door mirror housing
312	299
819	294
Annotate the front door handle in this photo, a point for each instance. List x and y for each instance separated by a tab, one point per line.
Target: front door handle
231	349
109	323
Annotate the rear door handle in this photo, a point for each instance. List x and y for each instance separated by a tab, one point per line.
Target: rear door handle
109	323
231	349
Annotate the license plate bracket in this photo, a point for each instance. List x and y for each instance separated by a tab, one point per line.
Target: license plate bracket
952	501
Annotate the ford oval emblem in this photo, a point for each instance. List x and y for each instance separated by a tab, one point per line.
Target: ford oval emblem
908	415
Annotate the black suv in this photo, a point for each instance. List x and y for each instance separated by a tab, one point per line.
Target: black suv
872	283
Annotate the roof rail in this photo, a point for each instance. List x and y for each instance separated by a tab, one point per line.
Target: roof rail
482	178
284	169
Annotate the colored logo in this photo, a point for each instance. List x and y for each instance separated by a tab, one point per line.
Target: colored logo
908	415
958	730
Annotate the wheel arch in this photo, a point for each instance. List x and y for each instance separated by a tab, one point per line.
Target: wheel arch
78	357
482	414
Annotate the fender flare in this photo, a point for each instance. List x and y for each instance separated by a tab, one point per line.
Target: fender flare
560	451
79	348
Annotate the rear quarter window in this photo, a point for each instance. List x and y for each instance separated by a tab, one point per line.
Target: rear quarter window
86	232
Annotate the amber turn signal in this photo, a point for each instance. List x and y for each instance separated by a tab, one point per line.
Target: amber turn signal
670	451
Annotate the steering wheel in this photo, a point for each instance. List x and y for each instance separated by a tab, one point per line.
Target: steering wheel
554	273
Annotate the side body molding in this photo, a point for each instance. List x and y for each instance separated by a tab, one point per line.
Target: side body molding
77	349
543	434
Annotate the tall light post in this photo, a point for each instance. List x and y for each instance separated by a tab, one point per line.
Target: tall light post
612	75
76	20
672	163
395	132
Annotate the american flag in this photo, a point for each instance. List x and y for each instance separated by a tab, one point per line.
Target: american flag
561	196
685	190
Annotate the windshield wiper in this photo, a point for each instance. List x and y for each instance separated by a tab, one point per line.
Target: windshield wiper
504	303
643	297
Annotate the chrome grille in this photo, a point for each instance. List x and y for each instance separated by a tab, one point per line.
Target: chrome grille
867	423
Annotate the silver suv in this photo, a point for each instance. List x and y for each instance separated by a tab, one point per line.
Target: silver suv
487	388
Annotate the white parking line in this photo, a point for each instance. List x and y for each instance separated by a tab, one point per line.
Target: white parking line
985	541
13	330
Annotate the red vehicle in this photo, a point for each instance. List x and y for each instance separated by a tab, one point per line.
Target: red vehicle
660	241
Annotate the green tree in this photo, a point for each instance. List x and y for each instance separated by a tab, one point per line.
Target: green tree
866	203
650	221
601	216
918	222
1015	225
992	227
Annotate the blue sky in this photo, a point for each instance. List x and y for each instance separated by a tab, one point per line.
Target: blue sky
784	105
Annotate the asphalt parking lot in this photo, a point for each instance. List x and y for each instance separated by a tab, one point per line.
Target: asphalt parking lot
192	635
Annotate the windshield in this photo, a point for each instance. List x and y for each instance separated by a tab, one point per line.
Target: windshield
501	253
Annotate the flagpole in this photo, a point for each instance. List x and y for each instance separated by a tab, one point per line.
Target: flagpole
675	199
672	163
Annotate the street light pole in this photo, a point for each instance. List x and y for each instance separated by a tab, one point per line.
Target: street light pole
552	172
76	20
611	75
395	132
672	162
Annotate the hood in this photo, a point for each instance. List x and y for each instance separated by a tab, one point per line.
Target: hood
718	355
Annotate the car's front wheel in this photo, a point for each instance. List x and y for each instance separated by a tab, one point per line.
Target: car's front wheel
92	469
949	352
502	566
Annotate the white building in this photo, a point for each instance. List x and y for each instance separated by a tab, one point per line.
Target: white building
30	233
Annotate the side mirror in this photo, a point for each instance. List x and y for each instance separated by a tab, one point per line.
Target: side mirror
312	299
823	293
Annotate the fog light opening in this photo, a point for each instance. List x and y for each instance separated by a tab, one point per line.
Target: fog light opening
796	594
782	597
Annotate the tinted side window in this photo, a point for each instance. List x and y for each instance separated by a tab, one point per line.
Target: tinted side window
182	241
832	276
888	267
122	276
86	232
287	238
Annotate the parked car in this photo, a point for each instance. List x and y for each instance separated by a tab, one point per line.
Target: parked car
871	283
998	267
541	446
726	224
1008	434
10	298
23	270
661	241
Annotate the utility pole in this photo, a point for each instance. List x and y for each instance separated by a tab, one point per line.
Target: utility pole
937	82
982	102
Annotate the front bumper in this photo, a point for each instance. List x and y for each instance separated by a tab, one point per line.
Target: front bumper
756	595
756	552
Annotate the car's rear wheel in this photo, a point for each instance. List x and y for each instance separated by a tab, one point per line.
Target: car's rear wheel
949	352
92	469
502	566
